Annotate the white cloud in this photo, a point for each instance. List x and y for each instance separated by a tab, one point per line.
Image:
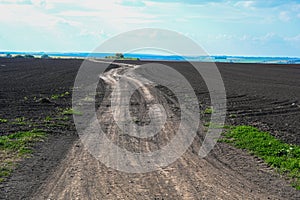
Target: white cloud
245	4
246	37
224	20
39	2
112	14
284	16
18	15
15	2
96	34
108	14
293	39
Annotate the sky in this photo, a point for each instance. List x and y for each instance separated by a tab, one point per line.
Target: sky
220	27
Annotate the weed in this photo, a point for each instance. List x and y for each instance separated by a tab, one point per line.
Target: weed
16	146
20	121
48	119
57	96
233	116
3	120
58	124
4	172
208	110
280	155
65	118
19	142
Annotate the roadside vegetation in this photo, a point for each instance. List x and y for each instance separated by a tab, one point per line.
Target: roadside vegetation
16	146
282	156
208	110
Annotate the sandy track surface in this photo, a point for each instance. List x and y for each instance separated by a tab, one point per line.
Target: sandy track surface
81	176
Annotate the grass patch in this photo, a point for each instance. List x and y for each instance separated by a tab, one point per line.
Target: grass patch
16	146
233	116
57	96
20	121
208	111
48	119
70	111
56	124
65	118
3	120
280	155
19	143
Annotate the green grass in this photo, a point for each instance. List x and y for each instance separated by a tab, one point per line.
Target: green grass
5	171
233	116
16	146
48	119
65	118
3	120
57	96
208	111
70	111
280	155
58	121
19	142
20	121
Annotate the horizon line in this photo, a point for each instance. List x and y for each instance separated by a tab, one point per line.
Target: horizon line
153	54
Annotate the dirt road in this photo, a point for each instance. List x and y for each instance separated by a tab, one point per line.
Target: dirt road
226	173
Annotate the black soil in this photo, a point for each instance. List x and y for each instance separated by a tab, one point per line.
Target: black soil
266	96
26	88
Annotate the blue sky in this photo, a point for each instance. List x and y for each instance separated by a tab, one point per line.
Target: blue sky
221	27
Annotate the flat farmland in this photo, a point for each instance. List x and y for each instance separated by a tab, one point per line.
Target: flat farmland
37	94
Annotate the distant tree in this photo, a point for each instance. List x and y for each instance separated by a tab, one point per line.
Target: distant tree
45	56
18	56
28	56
